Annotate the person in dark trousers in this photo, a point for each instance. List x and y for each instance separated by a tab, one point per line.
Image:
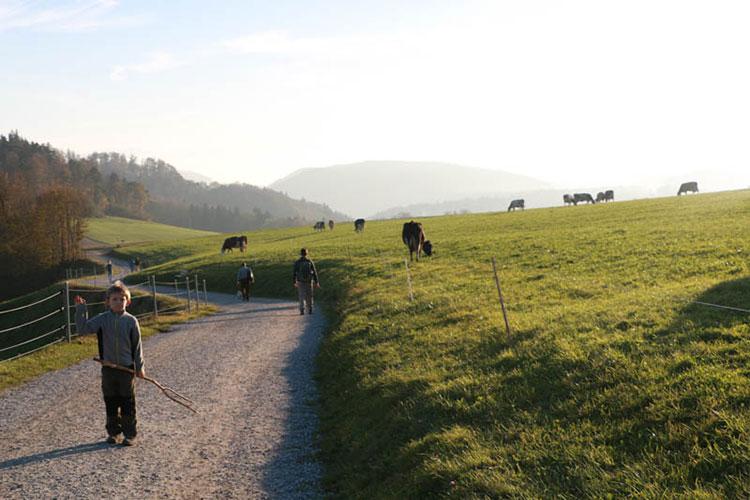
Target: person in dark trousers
305	279
244	279
119	339
109	271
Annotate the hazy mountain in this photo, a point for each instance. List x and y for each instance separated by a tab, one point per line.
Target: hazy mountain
195	176
364	189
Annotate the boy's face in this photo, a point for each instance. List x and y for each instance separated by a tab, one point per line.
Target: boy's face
117	302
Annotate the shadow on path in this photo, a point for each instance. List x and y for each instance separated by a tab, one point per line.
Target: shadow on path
54	454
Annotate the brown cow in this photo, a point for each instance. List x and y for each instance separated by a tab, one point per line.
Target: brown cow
413	237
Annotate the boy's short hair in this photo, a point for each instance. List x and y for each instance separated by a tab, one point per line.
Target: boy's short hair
303	251
118	287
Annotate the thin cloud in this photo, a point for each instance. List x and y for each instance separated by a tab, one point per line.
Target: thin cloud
67	17
156	63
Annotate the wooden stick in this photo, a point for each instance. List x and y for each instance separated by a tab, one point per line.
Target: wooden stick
500	294
168	391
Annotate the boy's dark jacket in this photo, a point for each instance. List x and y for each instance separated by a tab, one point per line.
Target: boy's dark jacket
119	336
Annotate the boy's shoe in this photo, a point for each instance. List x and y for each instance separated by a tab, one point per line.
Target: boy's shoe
128	441
111	440
309	311
302	313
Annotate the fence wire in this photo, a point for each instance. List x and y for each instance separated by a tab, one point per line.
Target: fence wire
33	321
59	328
32	304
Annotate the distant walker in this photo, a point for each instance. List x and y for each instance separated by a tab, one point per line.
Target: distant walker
516	204
688	187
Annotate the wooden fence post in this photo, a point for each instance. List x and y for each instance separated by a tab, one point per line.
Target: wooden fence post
197	294
187	291
67	310
205	295
500	294
408	280
153	294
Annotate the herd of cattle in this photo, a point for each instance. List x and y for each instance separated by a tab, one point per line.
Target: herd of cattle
412	233
601	197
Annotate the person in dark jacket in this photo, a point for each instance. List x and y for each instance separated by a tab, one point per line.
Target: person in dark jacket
305	279
119	338
244	279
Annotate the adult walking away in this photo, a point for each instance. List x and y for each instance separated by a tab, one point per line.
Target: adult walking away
109	271
305	279
244	279
119	339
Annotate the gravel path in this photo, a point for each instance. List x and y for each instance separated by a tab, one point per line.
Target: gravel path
248	368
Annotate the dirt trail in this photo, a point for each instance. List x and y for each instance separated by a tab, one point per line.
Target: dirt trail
249	368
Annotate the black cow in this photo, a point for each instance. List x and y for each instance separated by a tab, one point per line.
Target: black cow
331	224
600	197
359	225
413	237
516	204
234	242
688	187
319	226
568	200
609	195
581	197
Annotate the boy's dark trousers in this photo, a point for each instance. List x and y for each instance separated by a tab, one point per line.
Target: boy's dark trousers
118	388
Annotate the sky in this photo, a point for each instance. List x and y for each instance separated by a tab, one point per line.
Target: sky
571	92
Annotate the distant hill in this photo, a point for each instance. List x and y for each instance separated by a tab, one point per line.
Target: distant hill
216	207
364	189
195	176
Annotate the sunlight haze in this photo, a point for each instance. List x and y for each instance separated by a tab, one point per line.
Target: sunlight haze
571	93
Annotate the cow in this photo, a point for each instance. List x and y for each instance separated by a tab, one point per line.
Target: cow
319	226
568	200
581	197
331	224
600	197
359	225
609	195
516	204
234	242
688	187
413	236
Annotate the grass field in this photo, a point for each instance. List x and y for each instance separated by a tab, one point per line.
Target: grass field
120	231
612	382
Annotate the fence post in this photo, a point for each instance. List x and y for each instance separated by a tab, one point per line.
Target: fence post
197	294
500	294
187	291
176	290
153	294
205	295
67	309
408	280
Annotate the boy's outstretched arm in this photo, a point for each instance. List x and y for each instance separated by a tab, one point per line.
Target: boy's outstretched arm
83	324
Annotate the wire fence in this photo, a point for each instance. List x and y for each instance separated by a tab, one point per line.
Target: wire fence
50	320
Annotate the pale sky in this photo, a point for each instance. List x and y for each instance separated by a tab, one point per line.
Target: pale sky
571	92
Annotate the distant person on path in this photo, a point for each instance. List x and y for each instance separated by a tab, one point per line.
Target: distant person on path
109	272
131	262
305	279
119	339
244	279
137	262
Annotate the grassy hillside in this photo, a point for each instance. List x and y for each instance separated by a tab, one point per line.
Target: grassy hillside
612	382
118	231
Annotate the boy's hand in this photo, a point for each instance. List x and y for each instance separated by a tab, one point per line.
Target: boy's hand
141	373
317	285
295	284
79	300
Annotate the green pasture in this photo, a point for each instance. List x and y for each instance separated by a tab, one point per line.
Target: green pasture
121	231
611	383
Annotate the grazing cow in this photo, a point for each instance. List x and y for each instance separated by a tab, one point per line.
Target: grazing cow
330	225
234	242
427	248
515	204
609	195
359	225
600	197
568	200
688	187
413	236
319	226
581	197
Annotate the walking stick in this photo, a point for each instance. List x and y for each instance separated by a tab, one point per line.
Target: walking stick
168	391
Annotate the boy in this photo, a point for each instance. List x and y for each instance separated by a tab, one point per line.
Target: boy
119	338
305	278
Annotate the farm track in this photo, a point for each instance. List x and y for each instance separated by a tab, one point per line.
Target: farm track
249	369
